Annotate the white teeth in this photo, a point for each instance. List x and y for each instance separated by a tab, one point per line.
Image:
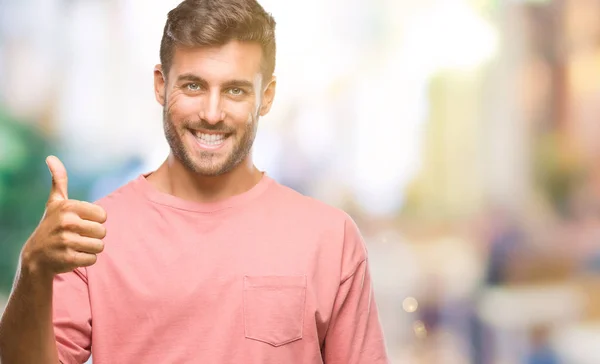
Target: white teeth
210	139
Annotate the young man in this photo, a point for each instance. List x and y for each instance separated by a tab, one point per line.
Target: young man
207	259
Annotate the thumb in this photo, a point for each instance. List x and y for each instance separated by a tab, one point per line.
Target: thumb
59	179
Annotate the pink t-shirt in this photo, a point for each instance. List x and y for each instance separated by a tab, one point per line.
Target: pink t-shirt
268	276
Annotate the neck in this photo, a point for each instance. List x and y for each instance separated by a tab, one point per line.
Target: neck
174	178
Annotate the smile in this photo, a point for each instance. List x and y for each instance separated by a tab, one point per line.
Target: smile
210	141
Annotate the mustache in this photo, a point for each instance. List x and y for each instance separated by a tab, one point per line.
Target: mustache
205	125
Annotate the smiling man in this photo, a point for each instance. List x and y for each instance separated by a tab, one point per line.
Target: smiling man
205	259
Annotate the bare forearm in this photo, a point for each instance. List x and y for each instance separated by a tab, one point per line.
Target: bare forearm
26	330
68	236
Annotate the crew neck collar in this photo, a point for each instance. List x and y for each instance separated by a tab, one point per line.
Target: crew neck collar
151	193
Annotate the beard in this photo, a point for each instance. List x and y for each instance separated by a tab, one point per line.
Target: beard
206	163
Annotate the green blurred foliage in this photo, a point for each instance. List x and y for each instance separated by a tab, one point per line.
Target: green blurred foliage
24	187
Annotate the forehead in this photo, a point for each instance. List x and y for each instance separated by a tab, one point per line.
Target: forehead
230	61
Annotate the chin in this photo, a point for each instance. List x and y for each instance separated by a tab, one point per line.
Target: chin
209	172
212	169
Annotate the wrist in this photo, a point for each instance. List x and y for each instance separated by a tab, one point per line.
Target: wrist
31	268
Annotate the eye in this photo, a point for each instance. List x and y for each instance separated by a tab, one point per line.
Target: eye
193	86
236	91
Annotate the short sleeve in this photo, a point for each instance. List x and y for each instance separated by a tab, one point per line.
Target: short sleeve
355	335
72	317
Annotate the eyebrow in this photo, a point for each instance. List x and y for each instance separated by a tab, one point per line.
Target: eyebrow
239	83
190	77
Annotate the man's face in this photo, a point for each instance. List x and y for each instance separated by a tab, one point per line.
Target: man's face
212	99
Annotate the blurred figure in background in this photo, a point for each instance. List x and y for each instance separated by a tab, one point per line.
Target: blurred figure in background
542	351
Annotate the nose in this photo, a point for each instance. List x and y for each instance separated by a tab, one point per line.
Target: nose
212	110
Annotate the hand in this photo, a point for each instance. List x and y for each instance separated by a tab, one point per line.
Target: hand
70	233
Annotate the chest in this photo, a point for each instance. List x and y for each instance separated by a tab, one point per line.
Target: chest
175	273
210	300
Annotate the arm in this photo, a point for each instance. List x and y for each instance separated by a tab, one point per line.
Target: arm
354	335
67	238
26	330
47	320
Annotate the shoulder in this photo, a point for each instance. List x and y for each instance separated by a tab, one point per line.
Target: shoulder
339	229
307	207
123	196
311	213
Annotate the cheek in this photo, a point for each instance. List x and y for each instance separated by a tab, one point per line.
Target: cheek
240	112
181	107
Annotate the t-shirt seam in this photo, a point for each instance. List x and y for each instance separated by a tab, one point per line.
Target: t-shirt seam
344	278
353	270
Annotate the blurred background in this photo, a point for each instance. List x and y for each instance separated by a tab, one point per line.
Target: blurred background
461	135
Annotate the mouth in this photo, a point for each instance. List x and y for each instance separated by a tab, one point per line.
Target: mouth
210	140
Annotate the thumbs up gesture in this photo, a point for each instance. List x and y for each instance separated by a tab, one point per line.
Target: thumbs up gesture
70	233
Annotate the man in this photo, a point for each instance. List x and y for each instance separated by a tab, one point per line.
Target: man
207	259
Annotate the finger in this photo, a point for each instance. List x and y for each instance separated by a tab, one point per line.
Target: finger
58	172
89	229
89	211
87	245
80	259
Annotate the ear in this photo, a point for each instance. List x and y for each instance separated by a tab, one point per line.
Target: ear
159	84
268	96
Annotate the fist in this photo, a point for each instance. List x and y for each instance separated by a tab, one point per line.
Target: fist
70	232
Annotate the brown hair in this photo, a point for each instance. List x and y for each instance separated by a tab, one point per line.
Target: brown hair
196	23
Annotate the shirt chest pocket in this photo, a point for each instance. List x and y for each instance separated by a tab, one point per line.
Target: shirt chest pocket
274	308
